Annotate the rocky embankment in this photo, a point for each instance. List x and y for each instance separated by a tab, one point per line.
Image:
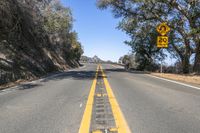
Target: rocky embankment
28	48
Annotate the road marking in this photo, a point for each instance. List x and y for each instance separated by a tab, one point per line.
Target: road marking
97	131
85	123
194	87
98	95
81	105
117	66
113	129
121	124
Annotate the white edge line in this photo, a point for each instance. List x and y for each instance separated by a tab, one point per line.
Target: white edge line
117	66
194	87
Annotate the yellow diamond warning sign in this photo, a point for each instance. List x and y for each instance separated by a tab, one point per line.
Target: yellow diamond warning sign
162	41
163	28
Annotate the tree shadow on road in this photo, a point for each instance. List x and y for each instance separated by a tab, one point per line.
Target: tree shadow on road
76	75
125	71
28	86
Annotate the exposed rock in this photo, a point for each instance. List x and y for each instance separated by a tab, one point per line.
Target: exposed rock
26	50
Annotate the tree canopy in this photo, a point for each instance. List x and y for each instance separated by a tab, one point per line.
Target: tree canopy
141	16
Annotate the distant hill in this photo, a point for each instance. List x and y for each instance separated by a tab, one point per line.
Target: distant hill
94	59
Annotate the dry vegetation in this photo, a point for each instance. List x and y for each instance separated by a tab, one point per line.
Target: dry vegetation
36	38
194	79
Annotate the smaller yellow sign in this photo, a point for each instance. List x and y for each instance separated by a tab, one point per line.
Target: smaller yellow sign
162	42
163	28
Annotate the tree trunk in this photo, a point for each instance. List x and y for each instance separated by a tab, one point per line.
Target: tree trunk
185	64
196	67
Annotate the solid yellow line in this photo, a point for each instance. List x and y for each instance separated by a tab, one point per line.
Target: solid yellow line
121	124
85	123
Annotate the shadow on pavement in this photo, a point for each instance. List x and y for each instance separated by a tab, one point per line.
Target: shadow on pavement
28	86
127	71
76	75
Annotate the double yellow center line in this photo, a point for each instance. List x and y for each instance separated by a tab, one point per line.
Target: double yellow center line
121	124
86	120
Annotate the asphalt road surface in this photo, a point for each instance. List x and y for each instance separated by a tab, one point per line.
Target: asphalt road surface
57	104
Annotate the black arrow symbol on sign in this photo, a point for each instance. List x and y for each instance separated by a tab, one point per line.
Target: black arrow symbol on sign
163	28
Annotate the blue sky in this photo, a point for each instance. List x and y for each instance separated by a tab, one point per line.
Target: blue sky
97	30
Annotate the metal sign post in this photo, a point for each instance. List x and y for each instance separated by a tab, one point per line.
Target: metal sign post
162	40
161	63
161	67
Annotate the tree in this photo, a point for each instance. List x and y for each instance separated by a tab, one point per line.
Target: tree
57	18
181	16
36	37
58	23
143	44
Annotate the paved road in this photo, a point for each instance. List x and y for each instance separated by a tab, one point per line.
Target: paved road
152	105
56	104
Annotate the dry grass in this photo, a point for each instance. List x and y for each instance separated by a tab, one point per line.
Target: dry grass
184	78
